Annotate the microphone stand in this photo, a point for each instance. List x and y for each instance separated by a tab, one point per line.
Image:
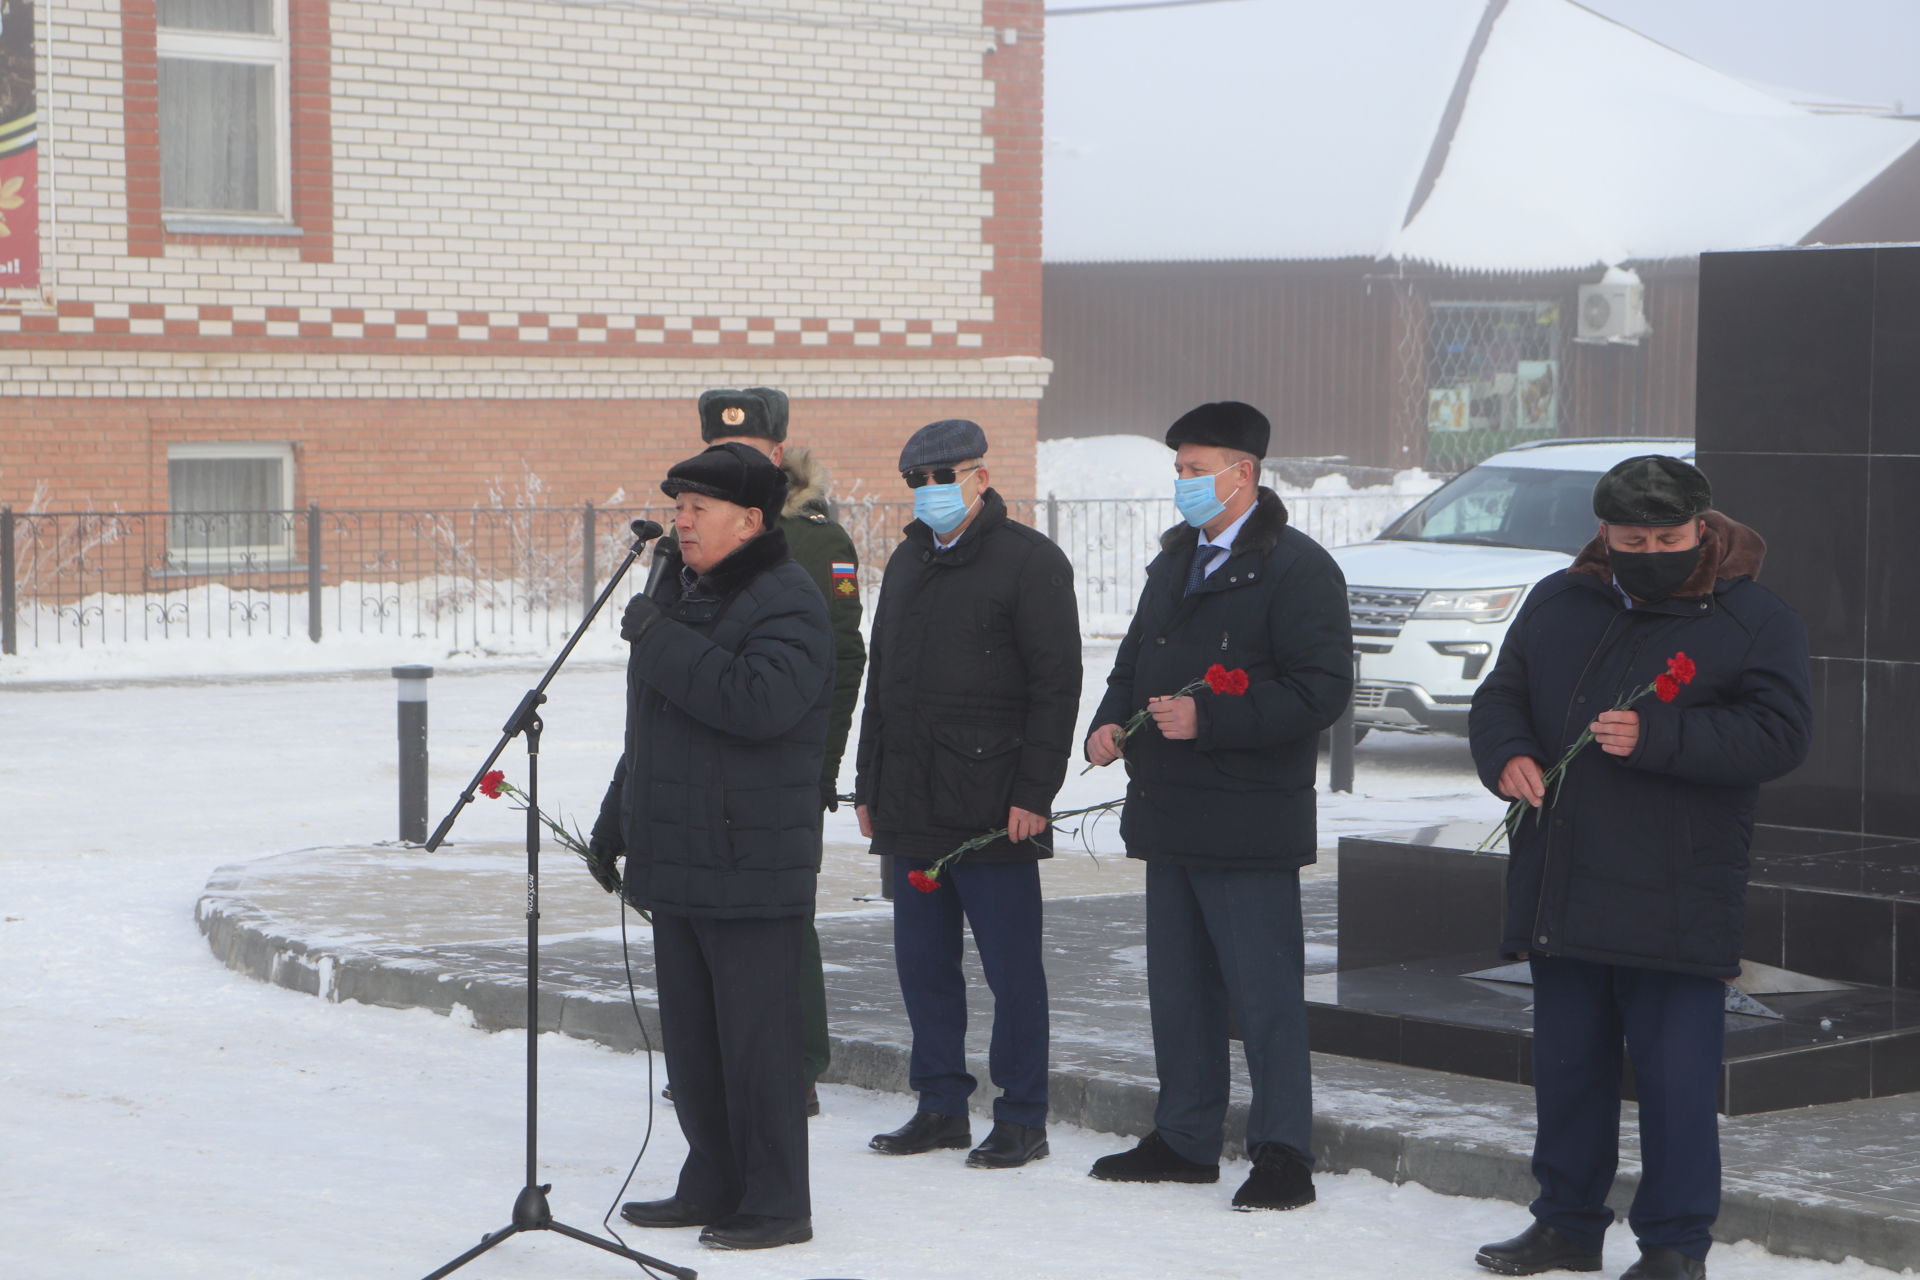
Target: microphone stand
530	1211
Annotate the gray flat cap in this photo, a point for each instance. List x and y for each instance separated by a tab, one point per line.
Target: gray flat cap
943	444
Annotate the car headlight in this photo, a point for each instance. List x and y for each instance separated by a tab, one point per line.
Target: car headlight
1475	606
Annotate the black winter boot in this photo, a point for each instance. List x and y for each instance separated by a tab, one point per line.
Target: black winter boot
1009	1146
1152	1161
1657	1262
1280	1180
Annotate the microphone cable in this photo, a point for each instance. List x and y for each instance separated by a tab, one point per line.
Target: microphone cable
646	1044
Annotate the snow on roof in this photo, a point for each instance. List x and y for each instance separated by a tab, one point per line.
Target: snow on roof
1295	129
1584	142
1243	129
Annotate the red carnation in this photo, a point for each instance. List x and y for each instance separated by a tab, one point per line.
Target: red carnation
490	784
1221	680
1681	668
922	881
1666	687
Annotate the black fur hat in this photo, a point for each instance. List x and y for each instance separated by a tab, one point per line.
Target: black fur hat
1227	424
760	412
1654	490
736	473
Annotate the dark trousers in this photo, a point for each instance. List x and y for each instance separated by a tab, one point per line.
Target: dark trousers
1001	901
1674	1026
730	1016
1220	940
818	1052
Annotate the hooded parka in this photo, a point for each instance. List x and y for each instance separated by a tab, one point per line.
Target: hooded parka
1641	860
716	800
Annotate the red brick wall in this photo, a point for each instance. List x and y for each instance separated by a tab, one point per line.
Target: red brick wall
439	453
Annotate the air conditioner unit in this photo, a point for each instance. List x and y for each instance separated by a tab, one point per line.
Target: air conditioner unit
1611	313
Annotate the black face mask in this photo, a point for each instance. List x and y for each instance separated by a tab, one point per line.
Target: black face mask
1652	576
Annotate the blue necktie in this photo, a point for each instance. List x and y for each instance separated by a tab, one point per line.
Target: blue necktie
1202	561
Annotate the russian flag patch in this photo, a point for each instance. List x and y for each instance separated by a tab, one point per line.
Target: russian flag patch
845	575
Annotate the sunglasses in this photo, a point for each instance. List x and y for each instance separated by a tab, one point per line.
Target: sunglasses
939	475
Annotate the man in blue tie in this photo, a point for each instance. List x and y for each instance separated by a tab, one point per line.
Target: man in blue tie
1220	804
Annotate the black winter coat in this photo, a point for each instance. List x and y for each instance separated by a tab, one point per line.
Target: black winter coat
716	801
973	685
1241	793
1641	860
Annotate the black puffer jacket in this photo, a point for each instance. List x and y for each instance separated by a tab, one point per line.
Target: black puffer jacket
973	683
1241	793
1641	860
716	801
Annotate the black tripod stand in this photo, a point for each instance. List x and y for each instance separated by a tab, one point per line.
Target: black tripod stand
530	1211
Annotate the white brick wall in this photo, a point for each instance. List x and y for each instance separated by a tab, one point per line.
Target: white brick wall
785	158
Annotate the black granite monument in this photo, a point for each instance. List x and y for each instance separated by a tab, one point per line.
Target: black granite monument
1809	427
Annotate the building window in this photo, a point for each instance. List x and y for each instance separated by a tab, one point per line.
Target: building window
224	112
230	506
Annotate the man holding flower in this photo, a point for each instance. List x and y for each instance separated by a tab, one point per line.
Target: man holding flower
973	684
1240	653
1642	696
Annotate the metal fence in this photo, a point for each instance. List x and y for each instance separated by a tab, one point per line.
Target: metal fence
473	580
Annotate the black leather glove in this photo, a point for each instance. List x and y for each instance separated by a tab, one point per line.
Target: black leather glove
829	796
602	864
641	613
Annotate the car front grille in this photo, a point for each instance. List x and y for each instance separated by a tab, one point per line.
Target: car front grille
1381	611
1369	696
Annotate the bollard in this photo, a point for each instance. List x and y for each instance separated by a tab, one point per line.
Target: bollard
886	877
413	752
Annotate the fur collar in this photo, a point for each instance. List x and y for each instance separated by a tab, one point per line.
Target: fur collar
1259	535
806	485
1729	551
740	568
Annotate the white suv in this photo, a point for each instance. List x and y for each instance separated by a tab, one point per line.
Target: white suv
1433	595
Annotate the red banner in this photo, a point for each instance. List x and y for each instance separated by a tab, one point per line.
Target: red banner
19	150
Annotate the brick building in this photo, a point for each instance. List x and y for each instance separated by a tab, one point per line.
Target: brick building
392	252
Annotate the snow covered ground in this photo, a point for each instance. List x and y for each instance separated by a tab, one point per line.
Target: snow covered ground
164	1118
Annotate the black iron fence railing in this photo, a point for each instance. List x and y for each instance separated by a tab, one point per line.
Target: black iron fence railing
475	579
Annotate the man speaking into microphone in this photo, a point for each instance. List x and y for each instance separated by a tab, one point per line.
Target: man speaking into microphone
715	805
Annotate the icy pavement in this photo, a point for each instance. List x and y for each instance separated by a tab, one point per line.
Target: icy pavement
162	1117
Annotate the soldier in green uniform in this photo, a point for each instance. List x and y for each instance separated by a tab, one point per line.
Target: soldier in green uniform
757	417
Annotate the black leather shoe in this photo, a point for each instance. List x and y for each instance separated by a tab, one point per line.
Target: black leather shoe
1657	1262
1009	1146
671	1212
1280	1180
927	1131
1538	1248
1152	1161
755	1231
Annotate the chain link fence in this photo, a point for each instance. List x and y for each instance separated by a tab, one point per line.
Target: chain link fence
484	579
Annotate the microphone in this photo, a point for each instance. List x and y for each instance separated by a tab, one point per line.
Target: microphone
646	530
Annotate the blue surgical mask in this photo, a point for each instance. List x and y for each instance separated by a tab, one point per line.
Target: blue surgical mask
1196	500
940	506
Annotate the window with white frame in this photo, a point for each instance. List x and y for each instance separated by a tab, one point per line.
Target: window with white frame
229	504
224	109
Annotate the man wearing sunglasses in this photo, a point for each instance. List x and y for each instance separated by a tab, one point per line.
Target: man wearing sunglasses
973	683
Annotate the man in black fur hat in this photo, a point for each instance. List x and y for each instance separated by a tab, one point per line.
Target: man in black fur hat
716	806
1626	878
1220	803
